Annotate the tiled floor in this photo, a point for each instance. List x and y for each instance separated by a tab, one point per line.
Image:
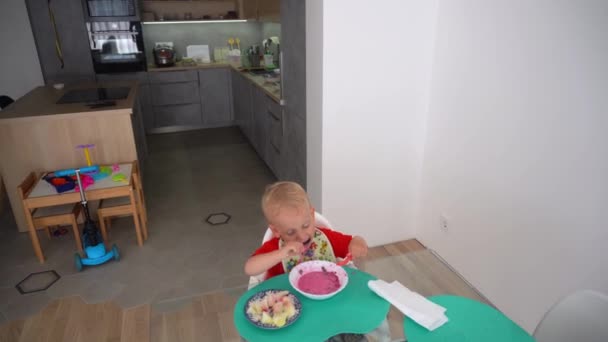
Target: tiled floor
187	176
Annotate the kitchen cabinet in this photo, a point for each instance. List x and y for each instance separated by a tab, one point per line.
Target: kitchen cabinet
181	115
268	137
269	10
72	35
275	151
176	9
165	94
260	122
241	93
143	93
295	149
247	9
216	96
175	100
293	47
173	76
262	10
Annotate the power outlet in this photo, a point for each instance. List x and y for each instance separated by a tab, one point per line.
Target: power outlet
443	223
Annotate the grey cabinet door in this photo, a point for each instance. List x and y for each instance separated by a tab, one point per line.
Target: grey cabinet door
275	149
186	115
293	47
260	122
294	140
72	32
275	129
175	98
216	96
238	110
175	93
236	96
173	76
242	95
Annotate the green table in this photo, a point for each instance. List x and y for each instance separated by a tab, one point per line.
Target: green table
470	321
356	309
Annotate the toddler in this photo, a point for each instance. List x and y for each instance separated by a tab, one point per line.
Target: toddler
291	218
296	238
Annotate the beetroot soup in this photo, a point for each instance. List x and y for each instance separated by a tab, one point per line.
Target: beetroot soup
319	282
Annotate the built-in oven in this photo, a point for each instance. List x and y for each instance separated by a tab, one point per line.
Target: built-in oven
116	46
110	10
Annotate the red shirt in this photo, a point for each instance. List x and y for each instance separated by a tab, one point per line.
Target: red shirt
339	243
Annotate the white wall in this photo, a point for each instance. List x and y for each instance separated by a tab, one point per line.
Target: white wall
375	72
517	149
19	66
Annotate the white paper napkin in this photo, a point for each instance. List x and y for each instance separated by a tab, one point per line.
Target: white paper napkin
413	305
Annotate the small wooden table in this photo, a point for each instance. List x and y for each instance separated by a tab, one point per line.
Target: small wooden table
44	194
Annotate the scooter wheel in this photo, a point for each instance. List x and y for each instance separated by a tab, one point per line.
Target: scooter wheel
115	252
77	262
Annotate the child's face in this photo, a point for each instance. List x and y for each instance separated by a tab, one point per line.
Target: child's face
294	224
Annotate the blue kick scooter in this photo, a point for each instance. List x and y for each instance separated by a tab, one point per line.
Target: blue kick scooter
94	248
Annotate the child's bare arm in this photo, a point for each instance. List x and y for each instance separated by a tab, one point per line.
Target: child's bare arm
260	263
357	247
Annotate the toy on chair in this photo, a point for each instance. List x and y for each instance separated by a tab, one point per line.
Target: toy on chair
94	247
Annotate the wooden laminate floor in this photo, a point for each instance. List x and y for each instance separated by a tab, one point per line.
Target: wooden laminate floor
208	317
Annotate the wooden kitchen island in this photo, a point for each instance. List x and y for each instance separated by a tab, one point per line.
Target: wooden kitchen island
37	134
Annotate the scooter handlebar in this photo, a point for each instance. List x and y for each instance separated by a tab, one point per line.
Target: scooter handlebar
69	172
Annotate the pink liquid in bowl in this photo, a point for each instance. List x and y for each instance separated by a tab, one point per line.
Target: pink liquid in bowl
319	282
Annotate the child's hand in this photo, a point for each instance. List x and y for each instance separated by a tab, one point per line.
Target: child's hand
357	247
292	248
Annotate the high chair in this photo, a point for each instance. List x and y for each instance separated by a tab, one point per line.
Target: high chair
57	215
133	205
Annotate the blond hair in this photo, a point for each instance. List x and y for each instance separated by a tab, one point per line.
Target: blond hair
283	194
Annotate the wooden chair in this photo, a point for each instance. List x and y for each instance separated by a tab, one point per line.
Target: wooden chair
134	205
46	217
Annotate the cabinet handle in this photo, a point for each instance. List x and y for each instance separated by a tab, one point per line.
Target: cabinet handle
282	101
58	49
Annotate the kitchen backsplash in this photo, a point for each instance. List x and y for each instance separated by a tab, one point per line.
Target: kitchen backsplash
271	30
212	34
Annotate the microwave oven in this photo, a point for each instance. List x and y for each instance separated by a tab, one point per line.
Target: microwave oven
111	10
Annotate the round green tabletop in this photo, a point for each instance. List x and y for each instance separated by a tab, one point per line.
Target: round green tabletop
356	309
469	321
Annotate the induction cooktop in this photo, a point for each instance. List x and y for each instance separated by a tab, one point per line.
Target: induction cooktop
94	95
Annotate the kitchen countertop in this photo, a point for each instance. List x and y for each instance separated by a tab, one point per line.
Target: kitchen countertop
40	103
180	67
273	90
